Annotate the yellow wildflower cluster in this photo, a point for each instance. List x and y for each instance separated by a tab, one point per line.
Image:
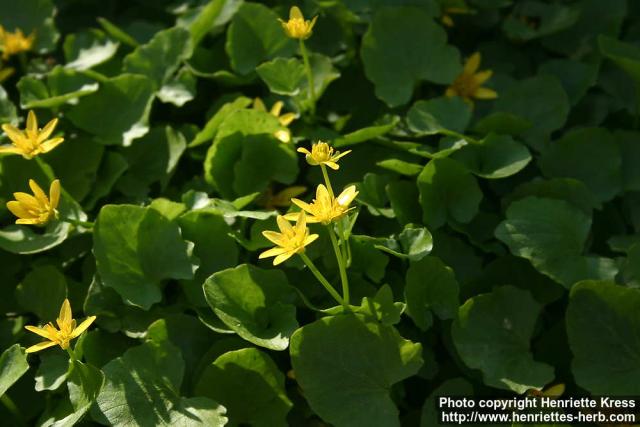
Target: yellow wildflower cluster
64	333
32	141
468	85
285	120
36	209
296	27
290	240
324	209
323	154
16	42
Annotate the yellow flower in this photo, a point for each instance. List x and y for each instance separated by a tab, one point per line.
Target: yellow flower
325	208
290	241
5	73
285	120
16	42
446	15
62	335
32	141
296	27
281	199
37	209
323	154
468	84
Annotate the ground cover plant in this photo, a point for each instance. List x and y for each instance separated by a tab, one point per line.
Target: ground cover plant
226	212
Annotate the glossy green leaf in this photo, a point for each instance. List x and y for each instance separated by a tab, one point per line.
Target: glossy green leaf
493	332
541	100
255	303
136	249
245	155
250	385
63	86
351	392
53	371
161	56
13	365
387	124
590	155
433	116
86	50
390	53
624	55
254	36
118	112
141	388
282	76
447	190
552	235
494	157
603	323
431	288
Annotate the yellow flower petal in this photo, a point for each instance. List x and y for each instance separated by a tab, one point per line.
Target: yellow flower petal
54	194
295	13
310	238
302	205
259	105
485	93
482	76
43	332
83	326
346	197
40	346
47	131
284	225
9	149
49	145
332	165
282	258
27	200
18	209
450	92
301	223
313	23
274	237
286	119
32	124
15	135
276	108
38	193
272	252
65	316
28	221
472	64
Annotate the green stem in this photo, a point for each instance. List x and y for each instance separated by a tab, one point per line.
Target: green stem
459	135
343	271
327	182
78	223
323	168
11	407
72	353
322	279
307	66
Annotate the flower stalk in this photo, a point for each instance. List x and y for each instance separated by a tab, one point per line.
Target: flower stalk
309	72
341	265
325	283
